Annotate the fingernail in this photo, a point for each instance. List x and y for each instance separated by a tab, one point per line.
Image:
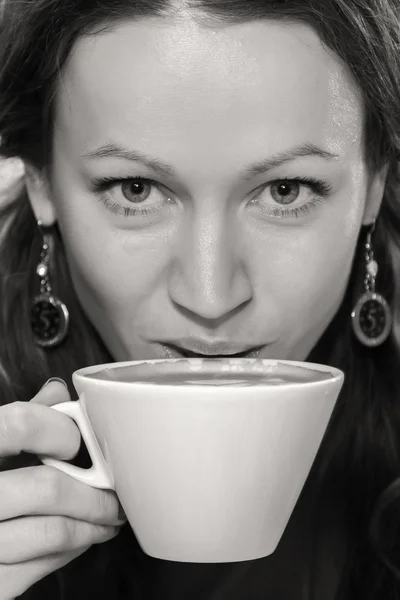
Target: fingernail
54	379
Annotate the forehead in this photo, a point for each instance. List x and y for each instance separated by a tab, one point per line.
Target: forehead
266	83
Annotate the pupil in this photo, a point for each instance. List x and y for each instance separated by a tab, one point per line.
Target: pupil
284	189
138	188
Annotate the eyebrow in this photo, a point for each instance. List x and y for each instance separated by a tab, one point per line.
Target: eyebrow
112	150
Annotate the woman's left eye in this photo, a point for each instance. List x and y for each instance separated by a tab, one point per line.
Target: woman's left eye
145	196
305	193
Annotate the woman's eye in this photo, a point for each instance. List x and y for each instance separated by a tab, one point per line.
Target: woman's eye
139	197
134	196
284	193
277	197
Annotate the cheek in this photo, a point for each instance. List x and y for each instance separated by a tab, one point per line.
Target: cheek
117	275
308	270
113	271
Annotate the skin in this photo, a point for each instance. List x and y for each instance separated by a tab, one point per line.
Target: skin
211	263
46	518
208	101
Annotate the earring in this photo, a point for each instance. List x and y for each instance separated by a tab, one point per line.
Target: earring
49	315
371	317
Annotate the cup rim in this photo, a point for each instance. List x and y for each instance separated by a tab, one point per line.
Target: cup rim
336	374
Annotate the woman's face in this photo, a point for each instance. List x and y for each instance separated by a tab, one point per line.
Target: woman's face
213	244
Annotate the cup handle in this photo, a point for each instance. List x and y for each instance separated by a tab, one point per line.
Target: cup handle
98	476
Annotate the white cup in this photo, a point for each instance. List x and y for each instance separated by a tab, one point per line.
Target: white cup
204	473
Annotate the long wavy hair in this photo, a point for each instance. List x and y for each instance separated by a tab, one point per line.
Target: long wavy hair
357	469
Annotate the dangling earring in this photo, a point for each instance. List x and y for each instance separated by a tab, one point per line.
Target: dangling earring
49	315
371	317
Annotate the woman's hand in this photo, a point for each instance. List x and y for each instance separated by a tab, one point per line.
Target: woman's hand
46	517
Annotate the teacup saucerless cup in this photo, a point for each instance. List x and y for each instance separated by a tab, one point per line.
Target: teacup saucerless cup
207	456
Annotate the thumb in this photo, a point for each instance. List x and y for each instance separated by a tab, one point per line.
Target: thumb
54	391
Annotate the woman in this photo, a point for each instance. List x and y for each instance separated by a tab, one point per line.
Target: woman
210	170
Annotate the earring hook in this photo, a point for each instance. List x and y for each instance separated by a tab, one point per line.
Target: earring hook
370	232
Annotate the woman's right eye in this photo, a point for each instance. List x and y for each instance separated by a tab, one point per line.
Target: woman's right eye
133	190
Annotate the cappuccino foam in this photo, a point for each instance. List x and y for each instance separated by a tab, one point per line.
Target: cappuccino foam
210	372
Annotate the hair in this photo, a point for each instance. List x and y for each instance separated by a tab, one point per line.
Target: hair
356	473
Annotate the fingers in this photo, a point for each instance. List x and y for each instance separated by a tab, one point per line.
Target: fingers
28	538
46	517
17	578
44	490
30	427
54	391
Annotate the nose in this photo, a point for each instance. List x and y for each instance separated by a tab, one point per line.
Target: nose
208	277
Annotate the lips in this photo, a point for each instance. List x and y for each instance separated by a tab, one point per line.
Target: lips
177	352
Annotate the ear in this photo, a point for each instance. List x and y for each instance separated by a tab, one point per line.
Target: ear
39	194
375	191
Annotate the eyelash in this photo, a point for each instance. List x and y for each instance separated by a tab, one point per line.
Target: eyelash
103	184
320	188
